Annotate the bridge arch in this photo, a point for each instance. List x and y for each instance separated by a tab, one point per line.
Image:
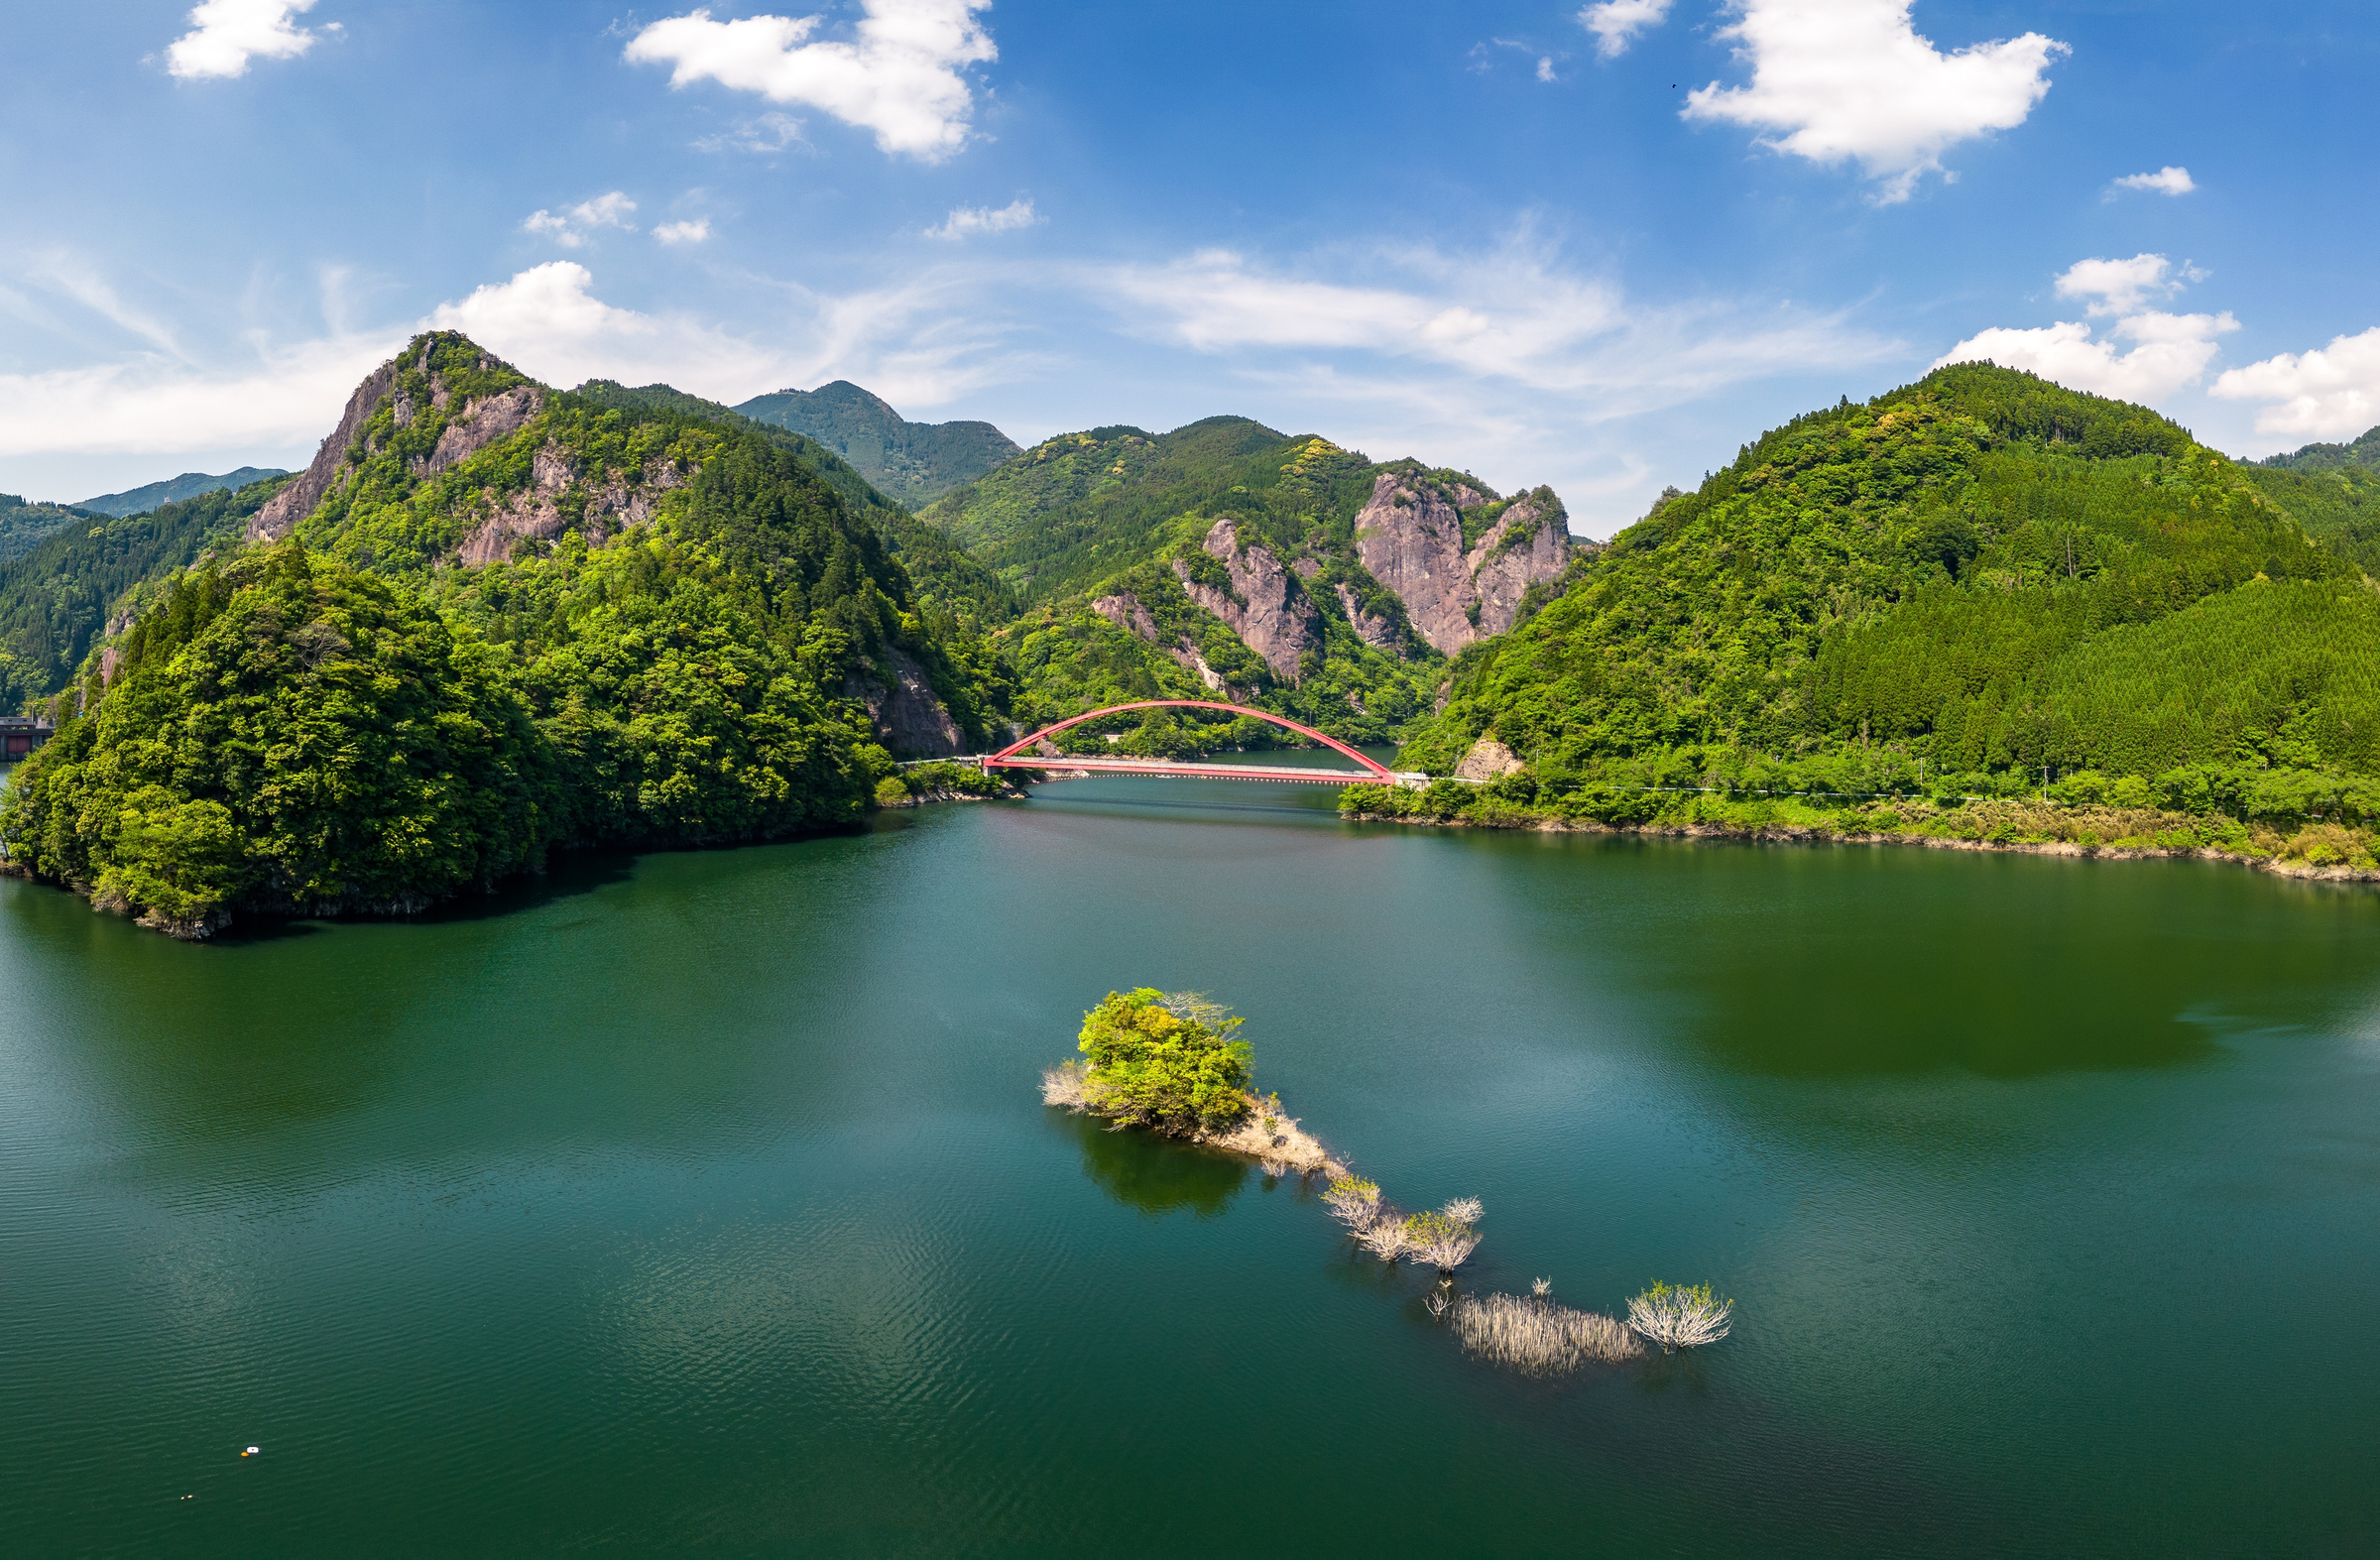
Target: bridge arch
1007	756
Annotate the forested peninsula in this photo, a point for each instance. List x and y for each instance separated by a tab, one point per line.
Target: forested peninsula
1979	610
492	620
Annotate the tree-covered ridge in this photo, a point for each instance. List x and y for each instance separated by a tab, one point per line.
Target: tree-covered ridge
2338	506
54	601
190	485
23	525
1979	573
2363	452
912	462
687	635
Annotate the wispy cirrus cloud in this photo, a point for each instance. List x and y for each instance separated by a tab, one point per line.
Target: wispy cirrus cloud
574	225
900	76
1511	314
967	221
1852	80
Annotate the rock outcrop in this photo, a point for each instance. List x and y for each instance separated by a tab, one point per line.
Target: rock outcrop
483	422
1409	534
1131	615
1264	606
1378	631
297	500
1488	759
536	511
910	720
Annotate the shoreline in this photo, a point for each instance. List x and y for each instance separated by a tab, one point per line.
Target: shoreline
1807	834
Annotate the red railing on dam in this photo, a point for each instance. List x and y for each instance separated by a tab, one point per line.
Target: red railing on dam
1371	771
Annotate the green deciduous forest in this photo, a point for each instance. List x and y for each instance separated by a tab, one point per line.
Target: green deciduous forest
353	719
1980	584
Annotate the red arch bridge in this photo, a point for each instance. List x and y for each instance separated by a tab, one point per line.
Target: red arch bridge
1366	772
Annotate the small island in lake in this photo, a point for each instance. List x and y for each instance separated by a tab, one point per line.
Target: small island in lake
1174	1064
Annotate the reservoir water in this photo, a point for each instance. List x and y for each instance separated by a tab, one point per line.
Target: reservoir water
704	1203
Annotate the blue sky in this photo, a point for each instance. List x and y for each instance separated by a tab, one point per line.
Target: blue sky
1593	245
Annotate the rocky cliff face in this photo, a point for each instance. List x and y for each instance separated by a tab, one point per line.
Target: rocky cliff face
1129	614
621	500
482	421
297	500
1264	607
1409	536
909	721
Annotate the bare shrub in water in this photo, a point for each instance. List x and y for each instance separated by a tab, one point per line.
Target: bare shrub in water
1063	1085
1353	1202
1680	1317
1442	1240
1276	1168
1386	1238
1535	1336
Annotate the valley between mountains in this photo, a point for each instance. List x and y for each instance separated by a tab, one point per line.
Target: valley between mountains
494	619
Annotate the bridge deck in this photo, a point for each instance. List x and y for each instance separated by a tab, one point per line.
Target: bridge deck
1149	768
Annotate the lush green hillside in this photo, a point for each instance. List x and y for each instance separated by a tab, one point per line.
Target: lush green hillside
511	619
190	485
23	525
1227	559
1977	584
914	462
54	601
2363	453
946	576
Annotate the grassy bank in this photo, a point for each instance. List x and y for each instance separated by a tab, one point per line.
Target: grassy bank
2305	847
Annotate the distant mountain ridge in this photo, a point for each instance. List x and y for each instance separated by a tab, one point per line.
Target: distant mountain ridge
912	463
2364	451
25	526
190	485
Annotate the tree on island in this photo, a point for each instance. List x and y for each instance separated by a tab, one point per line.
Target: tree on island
1168	1063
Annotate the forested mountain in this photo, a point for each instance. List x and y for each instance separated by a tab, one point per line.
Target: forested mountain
1228	559
23	525
1977	582
489	619
914	462
2364	451
190	484
54	600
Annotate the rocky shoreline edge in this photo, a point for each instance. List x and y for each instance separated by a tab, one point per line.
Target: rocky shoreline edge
1799	834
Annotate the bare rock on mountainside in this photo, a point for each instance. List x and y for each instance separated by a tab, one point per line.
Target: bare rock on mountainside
1411	536
1271	616
482	423
1488	759
910	720
297	500
1373	629
536	511
1131	614
1128	614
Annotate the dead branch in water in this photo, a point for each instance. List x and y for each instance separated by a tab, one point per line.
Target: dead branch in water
1535	1336
1680	1317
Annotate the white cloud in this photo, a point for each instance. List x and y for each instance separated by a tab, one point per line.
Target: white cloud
2171	351
693	232
1545	68
573	227
965	221
226	34
1616	22
1852	79
1509	315
149	404
2329	393
899	77
770	132
2120	287
2167	181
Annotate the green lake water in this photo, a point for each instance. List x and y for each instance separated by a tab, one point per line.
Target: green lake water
704	1203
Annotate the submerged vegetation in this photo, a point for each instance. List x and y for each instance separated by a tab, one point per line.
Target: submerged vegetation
1172	1063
